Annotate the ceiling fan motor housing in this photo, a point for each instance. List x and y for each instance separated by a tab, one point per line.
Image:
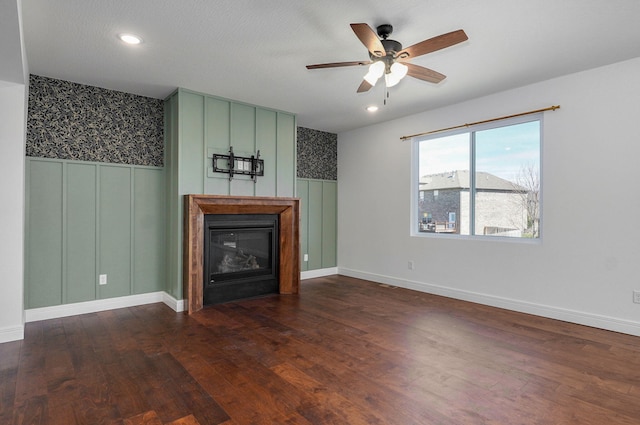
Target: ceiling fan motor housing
391	47
384	31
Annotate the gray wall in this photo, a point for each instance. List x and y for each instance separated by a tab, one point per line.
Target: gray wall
577	271
13	111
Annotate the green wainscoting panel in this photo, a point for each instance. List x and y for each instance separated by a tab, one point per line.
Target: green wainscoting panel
207	124
315	225
190	179
115	214
242	186
191	148
149	233
286	155
243	140
85	219
44	233
217	140
329	224
173	268
266	143
80	232
302	187
243	128
318	227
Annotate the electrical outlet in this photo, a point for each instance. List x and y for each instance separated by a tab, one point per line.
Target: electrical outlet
306	257
103	279
636	297
410	265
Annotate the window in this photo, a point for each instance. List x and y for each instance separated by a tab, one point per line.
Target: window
481	181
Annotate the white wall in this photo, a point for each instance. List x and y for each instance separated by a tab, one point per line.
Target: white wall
588	262
13	91
12	146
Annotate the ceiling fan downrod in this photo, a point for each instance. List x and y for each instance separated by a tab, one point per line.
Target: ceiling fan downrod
384	31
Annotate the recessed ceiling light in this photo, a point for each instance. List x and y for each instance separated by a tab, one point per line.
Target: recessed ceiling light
372	108
130	38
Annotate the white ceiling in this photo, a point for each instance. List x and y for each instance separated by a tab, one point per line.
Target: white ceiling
255	51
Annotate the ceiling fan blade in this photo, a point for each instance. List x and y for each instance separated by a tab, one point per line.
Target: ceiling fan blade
433	44
364	86
424	74
370	39
337	64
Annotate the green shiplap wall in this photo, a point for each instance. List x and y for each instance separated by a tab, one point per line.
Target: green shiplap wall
148	231
114	230
286	165
197	126
85	219
44	245
329	224
318	228
80	230
174	208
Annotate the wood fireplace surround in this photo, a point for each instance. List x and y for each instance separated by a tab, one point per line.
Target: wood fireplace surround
197	206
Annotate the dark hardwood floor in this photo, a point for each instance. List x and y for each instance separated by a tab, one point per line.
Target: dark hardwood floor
344	351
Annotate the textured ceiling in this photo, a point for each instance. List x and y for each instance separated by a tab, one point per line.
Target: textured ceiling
256	51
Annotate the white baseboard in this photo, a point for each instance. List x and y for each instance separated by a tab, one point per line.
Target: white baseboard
310	274
65	310
572	316
12	333
174	304
578	317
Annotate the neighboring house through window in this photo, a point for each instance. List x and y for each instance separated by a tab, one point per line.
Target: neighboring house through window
481	181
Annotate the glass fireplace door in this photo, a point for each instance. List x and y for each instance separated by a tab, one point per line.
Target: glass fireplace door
241	253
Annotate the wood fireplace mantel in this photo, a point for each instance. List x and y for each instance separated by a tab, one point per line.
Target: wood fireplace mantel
195	208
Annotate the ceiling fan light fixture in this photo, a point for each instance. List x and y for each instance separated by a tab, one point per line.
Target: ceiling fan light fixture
375	71
396	73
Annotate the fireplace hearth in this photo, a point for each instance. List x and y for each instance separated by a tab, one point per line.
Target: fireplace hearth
287	258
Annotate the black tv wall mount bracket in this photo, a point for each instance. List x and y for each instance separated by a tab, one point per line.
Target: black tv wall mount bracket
232	164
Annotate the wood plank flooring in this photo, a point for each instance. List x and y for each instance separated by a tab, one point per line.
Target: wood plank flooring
345	351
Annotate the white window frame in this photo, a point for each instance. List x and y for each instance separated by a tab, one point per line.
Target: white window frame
415	167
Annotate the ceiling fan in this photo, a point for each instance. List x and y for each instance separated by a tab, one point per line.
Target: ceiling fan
388	58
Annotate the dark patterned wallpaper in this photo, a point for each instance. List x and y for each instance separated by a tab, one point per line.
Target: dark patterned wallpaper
74	121
317	154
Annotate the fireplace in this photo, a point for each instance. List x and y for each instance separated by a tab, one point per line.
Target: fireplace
287	257
240	256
